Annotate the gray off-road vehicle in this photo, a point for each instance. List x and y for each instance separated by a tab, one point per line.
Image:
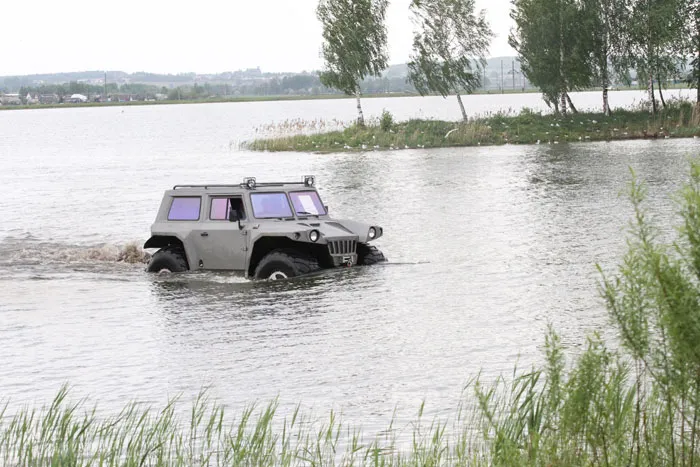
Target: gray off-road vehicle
265	230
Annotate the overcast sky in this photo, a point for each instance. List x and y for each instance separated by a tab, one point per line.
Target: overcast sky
203	36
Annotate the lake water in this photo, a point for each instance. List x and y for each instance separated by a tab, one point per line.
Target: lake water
486	246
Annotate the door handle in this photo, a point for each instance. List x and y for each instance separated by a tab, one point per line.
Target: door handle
204	234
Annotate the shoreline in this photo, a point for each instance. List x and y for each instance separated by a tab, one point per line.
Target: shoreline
680	120
281	98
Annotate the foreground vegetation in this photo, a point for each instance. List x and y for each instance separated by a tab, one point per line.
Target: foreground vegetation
677	120
639	405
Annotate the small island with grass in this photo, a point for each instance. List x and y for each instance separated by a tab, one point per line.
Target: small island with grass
676	120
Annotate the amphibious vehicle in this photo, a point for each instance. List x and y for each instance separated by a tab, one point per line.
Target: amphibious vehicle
265	230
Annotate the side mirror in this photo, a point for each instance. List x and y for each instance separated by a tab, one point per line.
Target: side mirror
326	208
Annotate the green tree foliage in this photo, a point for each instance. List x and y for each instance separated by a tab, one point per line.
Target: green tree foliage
653	32
449	47
602	38
552	47
691	13
354	44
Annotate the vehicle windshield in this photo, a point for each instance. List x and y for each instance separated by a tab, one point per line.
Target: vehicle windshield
270	205
307	203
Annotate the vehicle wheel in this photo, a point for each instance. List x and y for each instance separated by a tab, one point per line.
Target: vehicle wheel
368	255
283	264
171	259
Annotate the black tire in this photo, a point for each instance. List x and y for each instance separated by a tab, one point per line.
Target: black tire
284	264
170	258
367	255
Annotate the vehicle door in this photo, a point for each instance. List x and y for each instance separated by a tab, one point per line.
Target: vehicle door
221	243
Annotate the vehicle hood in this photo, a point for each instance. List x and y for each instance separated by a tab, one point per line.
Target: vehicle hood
329	228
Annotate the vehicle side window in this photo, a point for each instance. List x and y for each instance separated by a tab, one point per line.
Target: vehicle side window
221	206
185	208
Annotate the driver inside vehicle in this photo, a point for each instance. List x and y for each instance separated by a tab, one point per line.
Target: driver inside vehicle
236	205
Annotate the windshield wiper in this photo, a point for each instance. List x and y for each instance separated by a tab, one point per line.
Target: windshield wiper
307	213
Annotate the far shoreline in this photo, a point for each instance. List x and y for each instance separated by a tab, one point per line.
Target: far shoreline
282	98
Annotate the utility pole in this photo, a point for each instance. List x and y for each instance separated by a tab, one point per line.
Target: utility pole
104	97
513	75
502	90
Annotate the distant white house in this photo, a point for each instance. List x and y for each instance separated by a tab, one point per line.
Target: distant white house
78	98
10	99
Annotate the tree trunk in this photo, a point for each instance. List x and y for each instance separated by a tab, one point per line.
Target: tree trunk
562	102
606	105
697	63
360	115
652	97
606	84
461	107
562	76
661	94
697	66
571	104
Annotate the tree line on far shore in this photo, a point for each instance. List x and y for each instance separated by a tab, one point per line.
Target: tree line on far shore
562	45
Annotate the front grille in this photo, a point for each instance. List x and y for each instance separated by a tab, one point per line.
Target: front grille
342	247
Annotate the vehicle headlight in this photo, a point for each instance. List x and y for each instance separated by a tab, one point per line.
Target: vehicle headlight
372	233
314	235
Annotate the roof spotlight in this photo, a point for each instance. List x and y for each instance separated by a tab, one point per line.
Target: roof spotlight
309	180
249	182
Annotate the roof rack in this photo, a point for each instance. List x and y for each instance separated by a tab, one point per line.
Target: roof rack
250	183
233	185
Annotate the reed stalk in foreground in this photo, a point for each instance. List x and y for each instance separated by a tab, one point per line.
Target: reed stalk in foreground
636	406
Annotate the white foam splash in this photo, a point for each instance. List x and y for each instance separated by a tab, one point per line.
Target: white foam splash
23	251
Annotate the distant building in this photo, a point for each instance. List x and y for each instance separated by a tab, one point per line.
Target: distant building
48	99
10	99
78	99
122	98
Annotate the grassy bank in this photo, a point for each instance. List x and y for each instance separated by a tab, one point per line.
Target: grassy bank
678	120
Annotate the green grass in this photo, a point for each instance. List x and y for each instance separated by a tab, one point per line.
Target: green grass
678	120
66	433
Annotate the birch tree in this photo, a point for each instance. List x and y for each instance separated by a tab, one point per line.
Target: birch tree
354	44
553	54
449	48
692	44
653	31
603	26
